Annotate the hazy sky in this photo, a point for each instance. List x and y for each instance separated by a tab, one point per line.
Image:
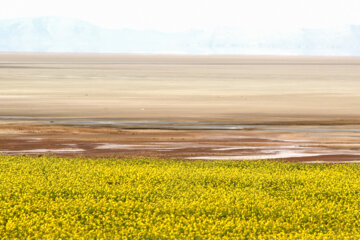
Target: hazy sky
178	15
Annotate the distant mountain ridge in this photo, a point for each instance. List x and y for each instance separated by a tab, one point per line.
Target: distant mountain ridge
56	34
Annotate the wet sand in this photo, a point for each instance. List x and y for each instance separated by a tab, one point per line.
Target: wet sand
251	143
189	107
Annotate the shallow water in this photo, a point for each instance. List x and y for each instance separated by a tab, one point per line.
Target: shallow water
181	125
278	155
341	162
61	150
313	130
119	146
257	148
230	141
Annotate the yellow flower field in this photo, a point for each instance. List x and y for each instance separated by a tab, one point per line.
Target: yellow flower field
61	198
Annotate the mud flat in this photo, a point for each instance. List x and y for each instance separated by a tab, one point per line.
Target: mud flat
189	107
257	142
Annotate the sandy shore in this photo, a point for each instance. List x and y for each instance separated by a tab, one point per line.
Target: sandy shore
189	107
175	88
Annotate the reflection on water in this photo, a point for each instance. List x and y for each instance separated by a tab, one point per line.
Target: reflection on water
332	162
333	136
35	151
190	125
314	129
278	155
229	141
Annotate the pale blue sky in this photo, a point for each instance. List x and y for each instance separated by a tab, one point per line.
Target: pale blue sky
179	15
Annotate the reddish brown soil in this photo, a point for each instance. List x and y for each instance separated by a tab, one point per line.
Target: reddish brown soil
20	139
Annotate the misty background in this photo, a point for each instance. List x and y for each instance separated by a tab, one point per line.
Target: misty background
258	27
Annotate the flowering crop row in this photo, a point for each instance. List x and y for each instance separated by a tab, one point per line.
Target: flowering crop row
53	197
